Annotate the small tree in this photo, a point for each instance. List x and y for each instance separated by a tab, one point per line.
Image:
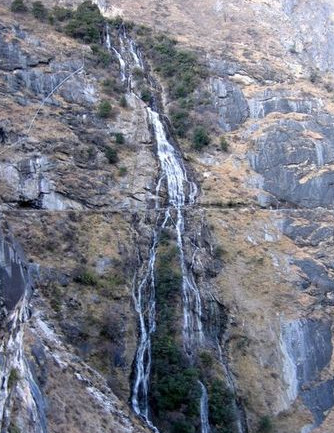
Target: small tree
122	171
18	6
201	138
265	425
123	102
39	11
86	24
104	109
111	155
146	95
119	138
223	144
62	14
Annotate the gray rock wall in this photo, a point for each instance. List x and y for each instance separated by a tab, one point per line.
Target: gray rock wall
14	278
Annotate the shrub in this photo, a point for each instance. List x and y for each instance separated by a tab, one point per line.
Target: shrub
87	23
218	252
182	427
102	56
39	11
18	6
116	22
111	155
123	102
56	296
146	95
62	14
221	413
13	377
104	109
206	359
265	425
223	144
119	138
87	278
180	121
137	73
111	86
181	72
180	68
122	171
201	138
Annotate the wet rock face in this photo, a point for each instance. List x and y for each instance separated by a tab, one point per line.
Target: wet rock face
230	103
14	280
289	159
308	351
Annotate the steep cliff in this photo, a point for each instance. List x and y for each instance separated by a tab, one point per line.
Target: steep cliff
163	285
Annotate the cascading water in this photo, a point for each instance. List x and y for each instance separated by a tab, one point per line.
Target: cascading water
204	410
181	192
139	397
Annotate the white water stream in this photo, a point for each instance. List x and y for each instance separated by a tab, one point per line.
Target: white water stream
181	192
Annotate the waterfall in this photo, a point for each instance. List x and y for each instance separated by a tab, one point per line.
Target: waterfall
319	150
181	192
139	397
173	169
205	427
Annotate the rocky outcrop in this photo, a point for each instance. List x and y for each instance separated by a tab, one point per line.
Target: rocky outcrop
307	349
230	103
13	272
270	101
294	159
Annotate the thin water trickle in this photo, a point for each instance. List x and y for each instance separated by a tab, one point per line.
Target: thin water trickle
205	426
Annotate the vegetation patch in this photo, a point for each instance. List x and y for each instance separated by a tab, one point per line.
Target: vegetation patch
175	392
102	57
87	278
119	138
104	109
265	425
221	411
86	23
200	138
18	6
13	378
224	146
179	69
39	11
111	155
